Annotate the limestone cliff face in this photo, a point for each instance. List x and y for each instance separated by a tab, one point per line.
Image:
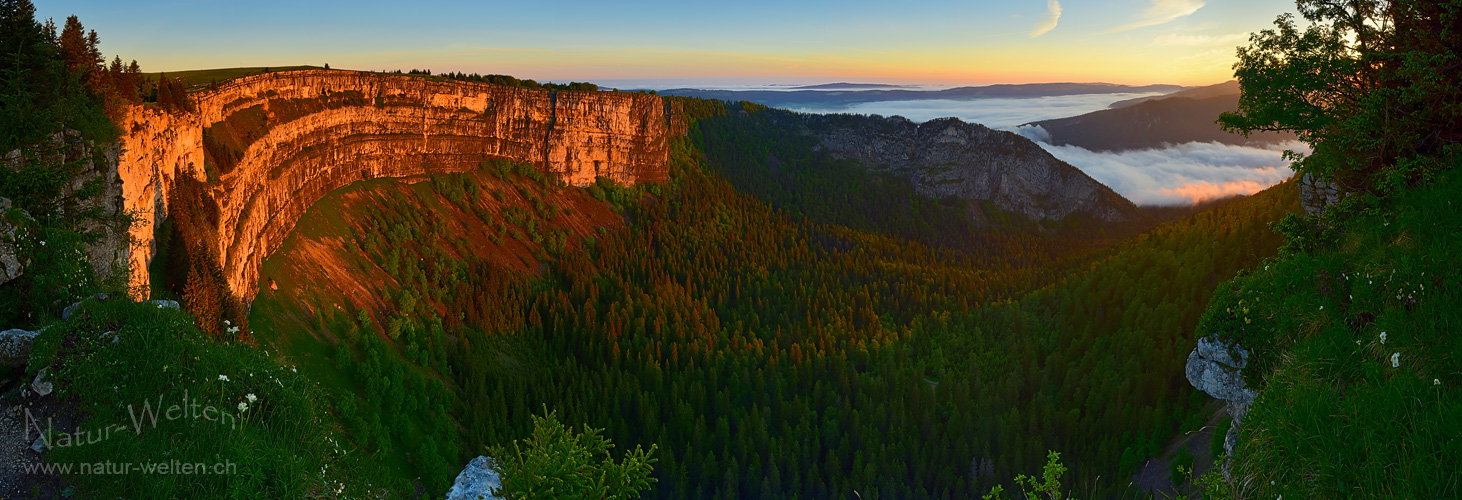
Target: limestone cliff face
393	126
948	157
157	148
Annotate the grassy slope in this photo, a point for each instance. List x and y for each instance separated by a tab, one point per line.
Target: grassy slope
284	445
202	77
1335	418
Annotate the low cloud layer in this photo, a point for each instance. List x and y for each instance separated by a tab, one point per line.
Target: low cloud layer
1179	175
993	113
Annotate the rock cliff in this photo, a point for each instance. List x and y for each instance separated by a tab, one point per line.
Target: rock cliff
291	137
1216	368
948	157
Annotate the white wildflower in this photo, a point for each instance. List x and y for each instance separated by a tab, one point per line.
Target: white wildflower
223	378
243	406
251	397
1436	381
1383	337
1395	360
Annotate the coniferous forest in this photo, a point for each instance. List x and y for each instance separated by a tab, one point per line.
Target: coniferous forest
767	321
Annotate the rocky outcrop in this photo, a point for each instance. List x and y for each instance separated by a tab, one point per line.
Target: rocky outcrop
15	346
386	126
109	252
948	157
1317	195
476	481
10	266
1216	368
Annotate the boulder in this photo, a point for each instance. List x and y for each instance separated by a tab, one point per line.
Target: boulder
15	347
476	481
1213	368
71	309
40	385
164	304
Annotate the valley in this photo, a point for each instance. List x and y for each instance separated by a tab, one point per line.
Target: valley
271	280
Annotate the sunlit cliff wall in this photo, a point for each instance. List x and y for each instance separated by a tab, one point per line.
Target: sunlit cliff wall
394	126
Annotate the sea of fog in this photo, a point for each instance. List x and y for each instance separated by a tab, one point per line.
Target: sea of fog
1001	113
1176	175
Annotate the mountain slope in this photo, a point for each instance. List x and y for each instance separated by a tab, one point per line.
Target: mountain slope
824	99
1152	123
895	176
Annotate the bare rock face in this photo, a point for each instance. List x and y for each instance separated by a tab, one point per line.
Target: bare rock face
392	126
1213	368
157	148
475	482
948	157
1317	195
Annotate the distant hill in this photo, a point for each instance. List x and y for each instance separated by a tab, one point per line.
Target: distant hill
1148	123
833	99
1227	88
849	86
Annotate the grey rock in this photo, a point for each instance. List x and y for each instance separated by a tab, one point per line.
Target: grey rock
71	309
1317	195
1213	369
40	443
40	385
948	157
10	265
476	481
164	304
15	345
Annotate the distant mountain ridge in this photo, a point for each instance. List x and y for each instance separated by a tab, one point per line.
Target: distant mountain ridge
1155	122
835	99
949	157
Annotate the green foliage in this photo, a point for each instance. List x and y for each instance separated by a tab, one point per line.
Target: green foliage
54	97
1032	488
1354	350
125	364
1220	434
1370	84
557	463
1181	467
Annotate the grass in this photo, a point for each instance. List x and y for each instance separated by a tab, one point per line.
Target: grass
202	77
1336	416
283	445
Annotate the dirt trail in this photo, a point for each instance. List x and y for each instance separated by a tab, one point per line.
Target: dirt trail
1155	477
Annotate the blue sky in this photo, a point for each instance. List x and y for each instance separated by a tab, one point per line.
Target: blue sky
1188	42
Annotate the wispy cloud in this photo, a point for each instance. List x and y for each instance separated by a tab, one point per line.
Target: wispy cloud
1199	40
1161	11
509	49
1048	23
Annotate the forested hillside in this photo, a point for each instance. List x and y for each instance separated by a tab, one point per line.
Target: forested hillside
764	354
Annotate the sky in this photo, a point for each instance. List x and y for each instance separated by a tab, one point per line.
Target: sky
944	42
